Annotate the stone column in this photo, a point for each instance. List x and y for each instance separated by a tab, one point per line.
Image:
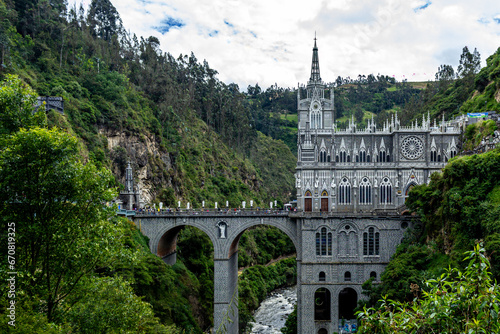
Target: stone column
299	295
226	294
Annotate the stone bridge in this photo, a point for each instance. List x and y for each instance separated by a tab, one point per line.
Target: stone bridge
224	230
336	253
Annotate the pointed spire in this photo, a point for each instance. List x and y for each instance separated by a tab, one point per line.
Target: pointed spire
129	179
315	76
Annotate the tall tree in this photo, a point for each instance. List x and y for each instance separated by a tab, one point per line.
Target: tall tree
105	20
58	205
470	63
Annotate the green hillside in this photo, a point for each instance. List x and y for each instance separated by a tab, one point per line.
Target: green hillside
189	136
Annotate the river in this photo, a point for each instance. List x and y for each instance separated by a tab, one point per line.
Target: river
272	313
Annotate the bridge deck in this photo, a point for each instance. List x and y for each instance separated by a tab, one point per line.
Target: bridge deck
269	213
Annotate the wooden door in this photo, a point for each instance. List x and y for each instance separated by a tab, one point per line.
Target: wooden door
324	204
308	204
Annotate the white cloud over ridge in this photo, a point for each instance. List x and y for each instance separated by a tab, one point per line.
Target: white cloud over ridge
269	42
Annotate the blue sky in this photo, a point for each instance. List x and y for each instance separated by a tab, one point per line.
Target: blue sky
268	42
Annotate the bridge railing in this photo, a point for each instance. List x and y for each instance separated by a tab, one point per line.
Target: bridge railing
262	213
211	212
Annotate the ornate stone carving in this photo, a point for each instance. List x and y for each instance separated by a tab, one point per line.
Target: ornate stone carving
412	147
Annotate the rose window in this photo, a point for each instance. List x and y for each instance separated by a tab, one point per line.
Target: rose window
412	148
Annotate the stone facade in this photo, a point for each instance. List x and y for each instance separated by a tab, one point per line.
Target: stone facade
364	174
362	170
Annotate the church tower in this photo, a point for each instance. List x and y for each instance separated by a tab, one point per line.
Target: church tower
316	124
314	102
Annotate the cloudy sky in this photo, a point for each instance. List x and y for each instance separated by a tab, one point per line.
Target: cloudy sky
270	41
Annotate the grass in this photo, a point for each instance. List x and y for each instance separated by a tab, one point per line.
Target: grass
367	115
290	117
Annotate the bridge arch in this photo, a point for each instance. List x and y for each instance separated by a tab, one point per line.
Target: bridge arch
283	225
224	232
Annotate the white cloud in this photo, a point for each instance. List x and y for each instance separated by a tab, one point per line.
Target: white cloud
271	41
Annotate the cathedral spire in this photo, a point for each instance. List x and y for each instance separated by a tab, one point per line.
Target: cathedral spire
315	77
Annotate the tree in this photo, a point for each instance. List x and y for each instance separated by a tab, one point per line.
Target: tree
445	73
456	302
358	114
110	306
17	106
105	20
58	206
470	63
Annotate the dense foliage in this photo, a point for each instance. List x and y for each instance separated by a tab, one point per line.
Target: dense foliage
456	302
199	134
60	235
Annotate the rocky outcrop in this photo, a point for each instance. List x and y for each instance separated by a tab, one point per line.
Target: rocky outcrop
151	162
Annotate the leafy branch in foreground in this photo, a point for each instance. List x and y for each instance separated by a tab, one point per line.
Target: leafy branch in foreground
456	302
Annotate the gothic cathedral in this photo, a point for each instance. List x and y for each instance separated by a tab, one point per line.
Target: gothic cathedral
351	188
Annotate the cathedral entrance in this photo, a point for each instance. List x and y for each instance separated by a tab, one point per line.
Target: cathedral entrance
308	207
348	300
324	201
409	188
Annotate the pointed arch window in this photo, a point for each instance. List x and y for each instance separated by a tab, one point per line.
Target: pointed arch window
385	191
433	155
323	242
365	191
345	191
371	242
316	121
322	156
344	157
383	156
361	157
347	276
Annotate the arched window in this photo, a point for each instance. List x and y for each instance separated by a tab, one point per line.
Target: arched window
385	191
365	191
362	156
371	242
322	331
344	191
329	245
433	155
322	156
373	275
347	276
323	242
322	276
322	304
316	120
